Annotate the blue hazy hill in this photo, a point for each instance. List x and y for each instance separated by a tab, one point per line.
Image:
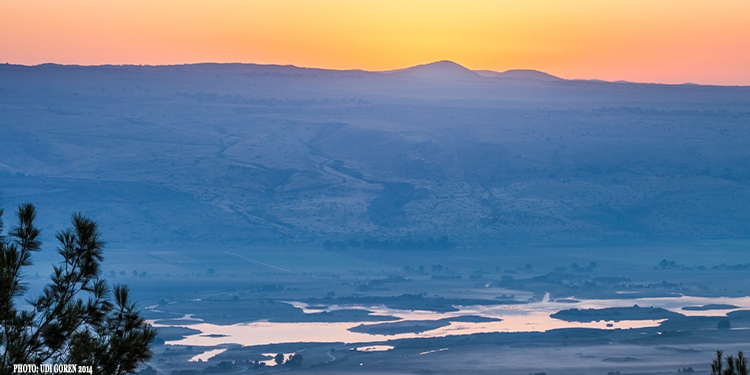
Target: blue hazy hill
236	153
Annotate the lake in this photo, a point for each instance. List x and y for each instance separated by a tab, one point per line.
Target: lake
524	317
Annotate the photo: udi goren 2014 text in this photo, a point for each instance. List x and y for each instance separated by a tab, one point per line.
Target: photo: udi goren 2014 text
66	368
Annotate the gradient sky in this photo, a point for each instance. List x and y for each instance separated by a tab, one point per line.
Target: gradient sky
668	41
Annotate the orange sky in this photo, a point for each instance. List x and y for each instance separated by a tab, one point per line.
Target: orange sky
669	41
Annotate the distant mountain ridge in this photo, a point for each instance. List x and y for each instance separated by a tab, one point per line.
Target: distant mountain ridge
446	69
439	70
520	74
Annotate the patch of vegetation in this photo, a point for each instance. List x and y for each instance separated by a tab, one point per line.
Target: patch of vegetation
77	318
712	306
615	314
734	365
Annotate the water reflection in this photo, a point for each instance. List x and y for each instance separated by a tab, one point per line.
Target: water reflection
374	348
433	351
531	317
205	356
272	359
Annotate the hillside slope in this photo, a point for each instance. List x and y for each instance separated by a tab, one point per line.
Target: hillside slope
250	153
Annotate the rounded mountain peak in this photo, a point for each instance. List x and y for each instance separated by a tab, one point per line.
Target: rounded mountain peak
444	69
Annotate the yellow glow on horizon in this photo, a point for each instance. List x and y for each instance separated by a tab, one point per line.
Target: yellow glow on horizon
638	40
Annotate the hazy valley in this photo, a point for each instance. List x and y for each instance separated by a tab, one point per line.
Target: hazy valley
239	193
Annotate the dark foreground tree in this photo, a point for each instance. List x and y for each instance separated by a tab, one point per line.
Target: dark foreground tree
735	365
77	319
